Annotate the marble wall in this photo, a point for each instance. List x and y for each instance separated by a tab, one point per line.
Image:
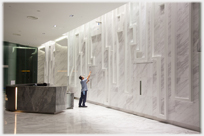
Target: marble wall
49	63
52	63
143	58
184	107
41	60
60	65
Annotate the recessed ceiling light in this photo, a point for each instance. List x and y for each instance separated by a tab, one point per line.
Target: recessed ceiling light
16	34
55	25
43	33
32	17
71	15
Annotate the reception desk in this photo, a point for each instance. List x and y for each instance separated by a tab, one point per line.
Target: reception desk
36	98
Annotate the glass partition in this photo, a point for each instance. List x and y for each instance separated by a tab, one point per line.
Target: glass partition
20	64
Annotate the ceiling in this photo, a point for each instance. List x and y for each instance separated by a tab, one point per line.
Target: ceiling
17	28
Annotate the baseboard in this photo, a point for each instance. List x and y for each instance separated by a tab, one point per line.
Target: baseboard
198	129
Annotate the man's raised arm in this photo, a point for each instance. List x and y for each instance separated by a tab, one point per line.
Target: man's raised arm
89	75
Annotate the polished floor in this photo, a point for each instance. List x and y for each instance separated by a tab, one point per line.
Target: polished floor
92	120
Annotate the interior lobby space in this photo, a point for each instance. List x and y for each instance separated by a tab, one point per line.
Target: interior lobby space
92	120
135	64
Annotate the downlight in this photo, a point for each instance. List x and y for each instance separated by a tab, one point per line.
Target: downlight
32	17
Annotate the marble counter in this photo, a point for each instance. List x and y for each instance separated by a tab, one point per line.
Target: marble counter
31	98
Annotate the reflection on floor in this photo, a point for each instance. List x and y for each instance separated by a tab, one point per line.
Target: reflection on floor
92	120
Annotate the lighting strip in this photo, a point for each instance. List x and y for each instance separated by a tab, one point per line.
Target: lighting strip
45	44
61	38
41	47
16	92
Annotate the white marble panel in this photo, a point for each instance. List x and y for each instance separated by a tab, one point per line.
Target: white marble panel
138	29
169	50
182	111
83	49
134	12
41	61
71	54
148	32
109	29
143	99
97	89
155	79
159	27
143	27
46	65
162	93
182	51
49	68
60	65
130	35
78	66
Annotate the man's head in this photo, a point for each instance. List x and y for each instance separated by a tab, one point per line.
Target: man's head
81	77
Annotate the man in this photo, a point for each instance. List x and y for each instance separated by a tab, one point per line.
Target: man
84	90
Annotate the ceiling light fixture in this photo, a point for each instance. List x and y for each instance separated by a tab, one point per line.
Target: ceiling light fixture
65	34
71	15
32	17
42	46
60	38
55	25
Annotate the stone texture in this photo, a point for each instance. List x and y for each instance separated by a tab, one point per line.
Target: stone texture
42	99
116	59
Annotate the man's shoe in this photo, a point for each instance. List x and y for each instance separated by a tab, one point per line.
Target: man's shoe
84	106
80	106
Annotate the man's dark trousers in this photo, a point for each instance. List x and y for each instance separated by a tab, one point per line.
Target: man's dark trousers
82	98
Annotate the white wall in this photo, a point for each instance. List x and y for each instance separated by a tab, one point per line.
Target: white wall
152	43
